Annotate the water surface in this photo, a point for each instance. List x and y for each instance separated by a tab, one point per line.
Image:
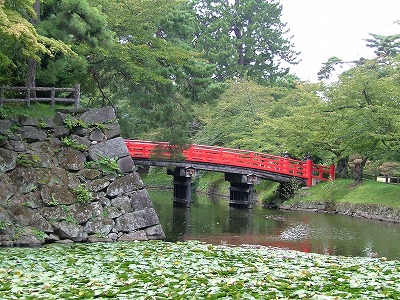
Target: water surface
210	219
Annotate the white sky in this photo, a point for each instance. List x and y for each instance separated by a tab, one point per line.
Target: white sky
326	28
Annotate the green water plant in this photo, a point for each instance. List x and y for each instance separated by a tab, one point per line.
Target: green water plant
190	270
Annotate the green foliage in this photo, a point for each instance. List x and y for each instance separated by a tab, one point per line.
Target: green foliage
26	204
157	177
54	202
3	113
4	225
105	164
243	38
70	218
211	183
287	190
83	195
27	160
189	270
384	45
36	110
20	39
72	123
364	107
18	232
73	144
40	235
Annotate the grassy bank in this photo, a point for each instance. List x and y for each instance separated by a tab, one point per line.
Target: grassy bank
36	110
342	190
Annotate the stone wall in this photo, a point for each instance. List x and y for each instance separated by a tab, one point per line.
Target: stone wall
368	211
70	179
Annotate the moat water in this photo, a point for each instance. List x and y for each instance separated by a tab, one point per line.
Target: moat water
210	219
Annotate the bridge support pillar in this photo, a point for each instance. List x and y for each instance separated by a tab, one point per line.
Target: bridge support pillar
241	190
182	185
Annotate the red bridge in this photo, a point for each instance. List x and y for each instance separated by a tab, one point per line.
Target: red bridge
242	168
277	167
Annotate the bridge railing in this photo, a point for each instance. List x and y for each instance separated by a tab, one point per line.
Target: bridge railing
238	158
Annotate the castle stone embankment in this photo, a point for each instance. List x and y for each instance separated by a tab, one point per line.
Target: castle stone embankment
71	179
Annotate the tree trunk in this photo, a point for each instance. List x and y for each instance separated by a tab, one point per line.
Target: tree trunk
342	168
30	78
359	165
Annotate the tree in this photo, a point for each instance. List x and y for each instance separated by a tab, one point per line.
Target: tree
384	45
81	25
243	38
21	41
152	78
366	99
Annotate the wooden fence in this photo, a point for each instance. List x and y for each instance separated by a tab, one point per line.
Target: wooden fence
28	95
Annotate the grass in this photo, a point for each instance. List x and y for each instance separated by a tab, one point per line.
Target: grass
342	190
211	182
157	177
36	110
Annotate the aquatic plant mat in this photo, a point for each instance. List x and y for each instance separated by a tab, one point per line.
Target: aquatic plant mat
190	270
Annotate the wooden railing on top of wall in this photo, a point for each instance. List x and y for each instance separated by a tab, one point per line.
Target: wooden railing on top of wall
28	95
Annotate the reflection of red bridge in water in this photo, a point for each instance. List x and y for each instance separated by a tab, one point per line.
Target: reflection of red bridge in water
285	167
242	168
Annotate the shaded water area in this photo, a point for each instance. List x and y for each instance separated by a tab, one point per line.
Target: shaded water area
210	219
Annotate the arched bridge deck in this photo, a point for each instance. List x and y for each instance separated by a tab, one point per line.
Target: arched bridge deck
227	160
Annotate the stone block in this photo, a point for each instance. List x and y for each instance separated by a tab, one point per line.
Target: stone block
61	131
114	148
71	159
28	121
98	184
125	184
8	160
97	135
137	220
72	232
126	164
100	225
112	130
155	232
139	235
32	134
56	195
101	115
122	203
140	200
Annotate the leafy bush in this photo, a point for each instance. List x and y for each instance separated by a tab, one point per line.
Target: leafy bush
83	195
3	225
26	160
73	144
105	164
71	123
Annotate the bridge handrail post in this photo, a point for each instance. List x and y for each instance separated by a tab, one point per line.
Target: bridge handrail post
309	171
332	172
